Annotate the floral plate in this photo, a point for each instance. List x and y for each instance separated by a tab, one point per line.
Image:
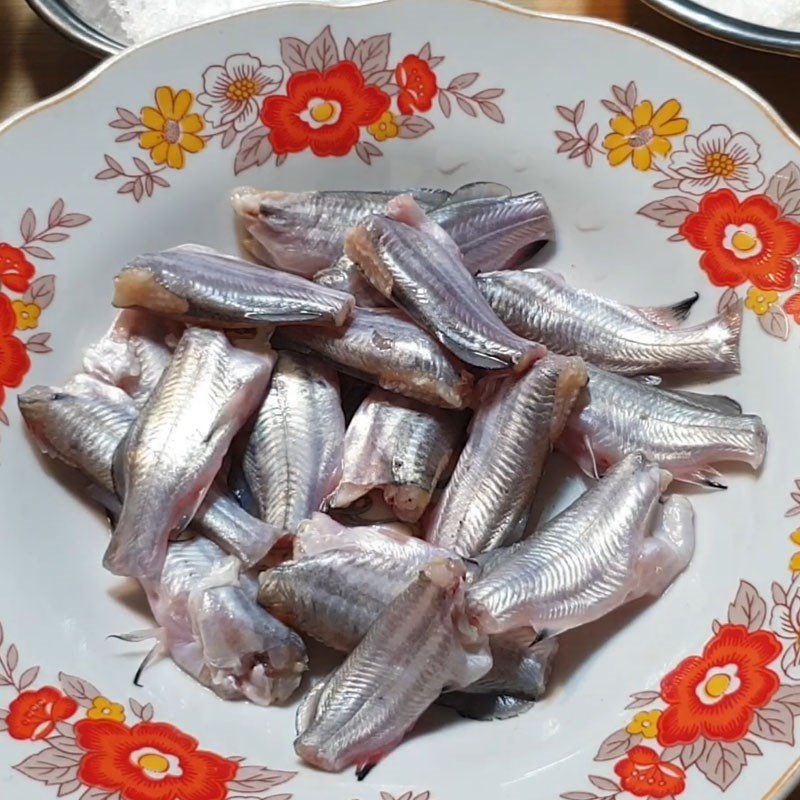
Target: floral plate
665	177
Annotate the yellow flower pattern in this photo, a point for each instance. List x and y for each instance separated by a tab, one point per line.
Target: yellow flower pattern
172	130
27	315
794	562
760	301
645	723
644	134
103	708
385	128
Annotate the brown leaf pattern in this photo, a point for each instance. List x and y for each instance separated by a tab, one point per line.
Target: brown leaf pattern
81	691
748	608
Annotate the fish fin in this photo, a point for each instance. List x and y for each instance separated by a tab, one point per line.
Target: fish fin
477	190
362	770
668	316
307	710
155	651
720	403
118	464
108	500
669	550
707	477
648	380
138	636
590	450
725	331
485	707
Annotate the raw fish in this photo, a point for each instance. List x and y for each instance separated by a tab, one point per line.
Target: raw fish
485	504
400	446
418	647
612	545
413	262
198	284
685	432
168	460
294	453
541	306
384	347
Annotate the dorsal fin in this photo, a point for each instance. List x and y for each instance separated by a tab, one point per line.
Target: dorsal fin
479	190
668	316
708	402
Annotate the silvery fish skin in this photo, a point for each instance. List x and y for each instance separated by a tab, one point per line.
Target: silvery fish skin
175	447
518	421
419	646
214	629
341	579
134	352
345	276
294	453
609	547
496	233
541	306
684	432
413	262
198	284
385	348
304	232
400	446
83	425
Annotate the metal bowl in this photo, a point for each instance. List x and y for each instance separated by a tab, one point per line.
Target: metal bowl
57	14
720	26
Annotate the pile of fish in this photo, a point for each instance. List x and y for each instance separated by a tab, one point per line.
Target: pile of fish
236	416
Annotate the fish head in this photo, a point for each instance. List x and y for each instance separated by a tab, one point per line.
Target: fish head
38	408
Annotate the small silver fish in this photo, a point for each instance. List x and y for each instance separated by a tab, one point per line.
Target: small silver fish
418	647
343	578
198	284
384	347
175	447
304	232
294	453
83	425
417	265
345	276
213	628
495	233
591	558
684	432
399	446
541	306
518	421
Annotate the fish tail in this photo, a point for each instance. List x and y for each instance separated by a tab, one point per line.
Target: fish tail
723	333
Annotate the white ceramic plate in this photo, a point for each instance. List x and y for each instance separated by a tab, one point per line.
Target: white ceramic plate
489	93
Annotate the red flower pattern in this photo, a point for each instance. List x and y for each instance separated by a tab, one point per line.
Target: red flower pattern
716	694
150	761
644	774
34	714
744	241
324	111
14	359
418	86
15	269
